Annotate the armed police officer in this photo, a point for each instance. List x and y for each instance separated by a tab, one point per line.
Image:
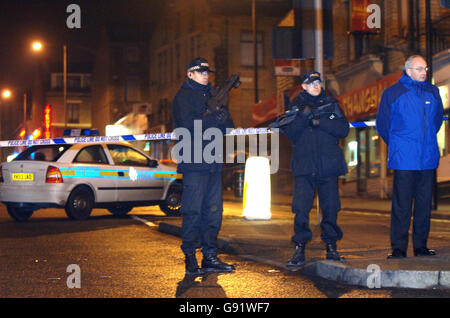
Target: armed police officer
201	202
317	161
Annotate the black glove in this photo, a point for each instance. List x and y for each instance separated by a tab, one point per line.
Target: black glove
221	115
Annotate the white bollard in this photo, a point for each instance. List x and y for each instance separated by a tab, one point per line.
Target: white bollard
257	189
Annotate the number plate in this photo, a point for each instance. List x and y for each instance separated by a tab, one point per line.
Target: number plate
22	176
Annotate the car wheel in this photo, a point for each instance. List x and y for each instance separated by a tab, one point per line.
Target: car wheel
172	205
120	210
19	214
80	203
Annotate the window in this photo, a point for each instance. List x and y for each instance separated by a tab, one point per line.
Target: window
125	156
178	61
74	81
177	25
194	46
403	17
74	112
45	153
192	17
165	77
160	71
132	54
247	55
170	65
133	89
91	154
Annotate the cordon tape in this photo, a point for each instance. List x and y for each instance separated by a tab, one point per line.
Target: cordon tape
144	137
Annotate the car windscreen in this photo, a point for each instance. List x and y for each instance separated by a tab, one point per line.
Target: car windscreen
43	153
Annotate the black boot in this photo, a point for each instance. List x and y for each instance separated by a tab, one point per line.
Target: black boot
211	263
424	251
192	267
298	259
332	253
396	254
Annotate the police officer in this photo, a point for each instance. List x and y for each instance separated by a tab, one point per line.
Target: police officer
317	162
201	202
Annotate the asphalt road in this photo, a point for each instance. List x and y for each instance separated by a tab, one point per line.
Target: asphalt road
122	257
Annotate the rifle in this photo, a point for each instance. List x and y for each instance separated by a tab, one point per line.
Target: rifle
289	116
219	94
285	119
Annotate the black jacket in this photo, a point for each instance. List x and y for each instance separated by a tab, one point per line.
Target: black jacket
188	105
316	149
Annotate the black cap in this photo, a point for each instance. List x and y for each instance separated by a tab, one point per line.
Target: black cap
310	77
199	65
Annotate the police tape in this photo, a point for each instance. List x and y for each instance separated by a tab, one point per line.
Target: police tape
126	138
145	137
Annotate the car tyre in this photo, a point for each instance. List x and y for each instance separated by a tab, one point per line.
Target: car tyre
120	210
80	204
19	214
172	204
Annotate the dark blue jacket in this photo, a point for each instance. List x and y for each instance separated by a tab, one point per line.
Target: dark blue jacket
408	119
316	149
188	105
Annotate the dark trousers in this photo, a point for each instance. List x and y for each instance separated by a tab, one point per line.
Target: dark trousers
201	207
304	191
411	185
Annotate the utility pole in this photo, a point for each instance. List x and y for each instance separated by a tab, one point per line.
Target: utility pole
318	35
429	58
255	51
65	84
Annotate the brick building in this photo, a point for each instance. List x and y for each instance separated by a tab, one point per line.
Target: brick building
363	65
221	32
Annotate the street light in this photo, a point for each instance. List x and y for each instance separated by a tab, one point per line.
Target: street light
37	46
6	93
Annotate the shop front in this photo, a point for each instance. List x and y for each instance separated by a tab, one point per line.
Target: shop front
365	152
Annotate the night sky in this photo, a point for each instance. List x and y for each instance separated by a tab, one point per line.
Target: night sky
22	21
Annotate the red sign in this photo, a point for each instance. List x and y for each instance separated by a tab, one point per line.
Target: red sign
360	15
272	107
287	67
355	104
364	101
47	121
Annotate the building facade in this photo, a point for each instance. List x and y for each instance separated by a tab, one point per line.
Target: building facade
120	79
222	33
367	61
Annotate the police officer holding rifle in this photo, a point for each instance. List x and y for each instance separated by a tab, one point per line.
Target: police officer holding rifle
314	125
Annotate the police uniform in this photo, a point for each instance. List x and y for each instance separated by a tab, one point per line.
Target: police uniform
201	203
317	161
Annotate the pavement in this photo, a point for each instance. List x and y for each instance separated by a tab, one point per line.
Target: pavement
365	223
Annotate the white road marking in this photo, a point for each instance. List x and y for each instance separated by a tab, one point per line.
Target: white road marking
148	223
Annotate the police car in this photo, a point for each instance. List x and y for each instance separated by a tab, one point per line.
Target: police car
80	177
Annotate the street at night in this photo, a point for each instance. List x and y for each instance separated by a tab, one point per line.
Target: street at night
123	257
248	154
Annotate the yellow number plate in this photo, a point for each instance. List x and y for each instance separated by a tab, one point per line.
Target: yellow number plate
22	176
